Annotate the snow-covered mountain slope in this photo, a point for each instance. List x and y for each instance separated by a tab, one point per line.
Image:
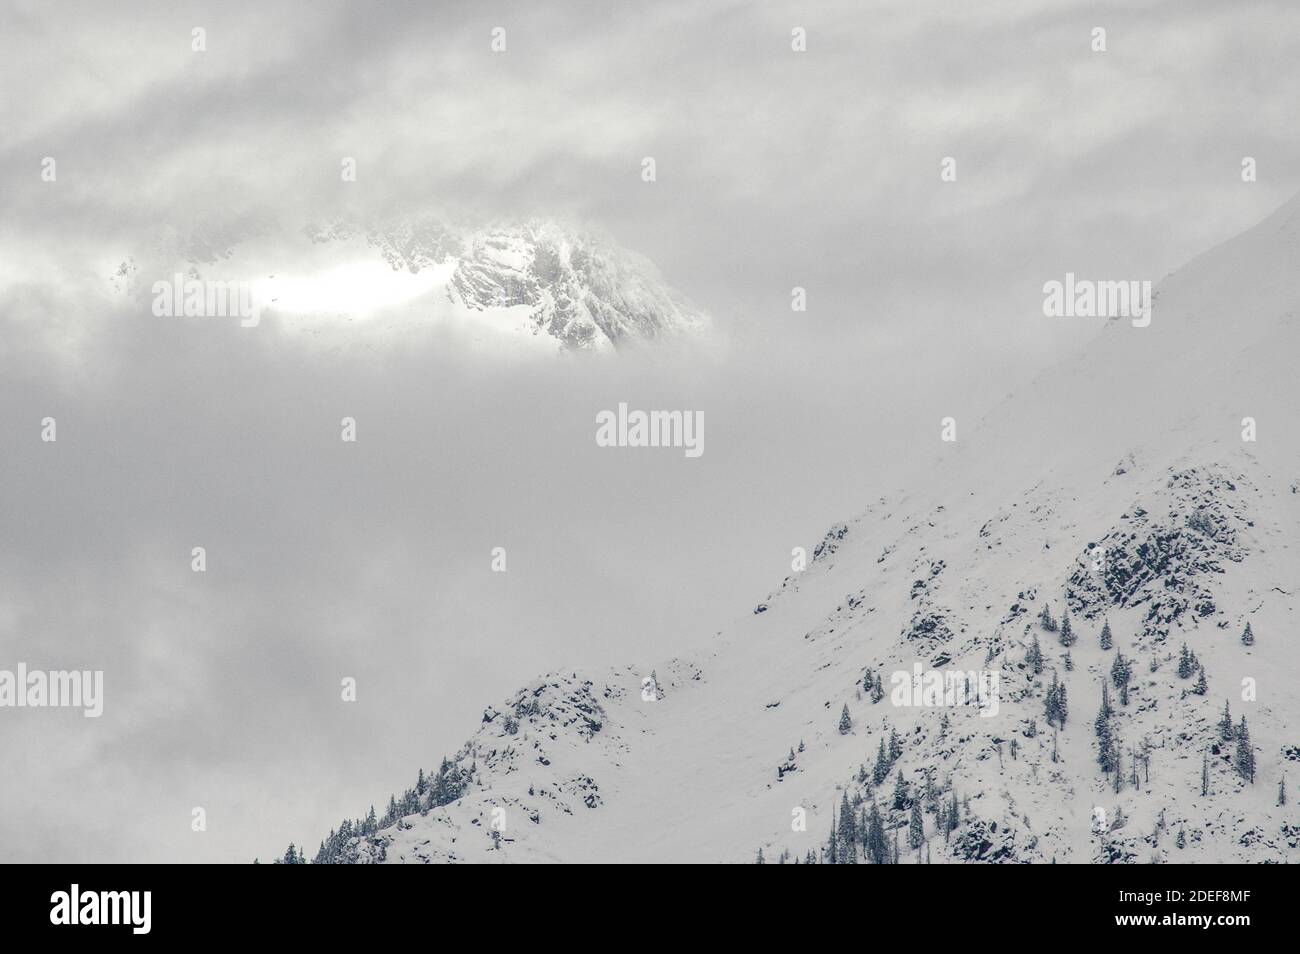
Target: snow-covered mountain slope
572	287
1115	487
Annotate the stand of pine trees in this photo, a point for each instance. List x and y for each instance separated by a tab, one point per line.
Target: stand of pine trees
342	845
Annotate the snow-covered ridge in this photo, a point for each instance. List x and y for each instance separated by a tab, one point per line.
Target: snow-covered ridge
557	286
578	285
1109	742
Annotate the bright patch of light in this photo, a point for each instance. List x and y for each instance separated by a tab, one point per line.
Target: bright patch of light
357	289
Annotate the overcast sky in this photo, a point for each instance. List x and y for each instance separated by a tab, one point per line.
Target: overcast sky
775	169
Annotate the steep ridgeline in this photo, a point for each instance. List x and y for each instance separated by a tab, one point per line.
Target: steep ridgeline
574	284
1103	560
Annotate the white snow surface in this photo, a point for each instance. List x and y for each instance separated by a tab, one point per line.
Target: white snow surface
1134	444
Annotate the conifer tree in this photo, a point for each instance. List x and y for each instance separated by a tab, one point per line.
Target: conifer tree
901	796
1107	640
954	817
881	770
846	724
1102	727
931	795
877	849
1247	637
1281	791
1245	756
1052	703
895	745
1035	657
879	692
1205	775
1226	731
1045	619
1186	663
1181	840
1201	687
1120	671
1067	632
847	841
916	827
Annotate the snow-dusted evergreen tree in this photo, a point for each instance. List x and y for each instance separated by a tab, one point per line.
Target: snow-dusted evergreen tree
901	792
1054	703
1201	687
881	770
1281	791
1107	640
1181	840
895	745
916	827
846	724
847	840
1101	725
1226	730
1120	670
877	848
1247	637
1045	619
879	692
1067	631
1244	760
1034	658
1186	663
1068	661
1205	775
930	793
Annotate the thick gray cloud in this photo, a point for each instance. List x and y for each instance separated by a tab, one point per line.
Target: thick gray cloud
326	560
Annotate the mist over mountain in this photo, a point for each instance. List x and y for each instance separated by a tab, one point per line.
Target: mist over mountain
572	287
1109	553
364	304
